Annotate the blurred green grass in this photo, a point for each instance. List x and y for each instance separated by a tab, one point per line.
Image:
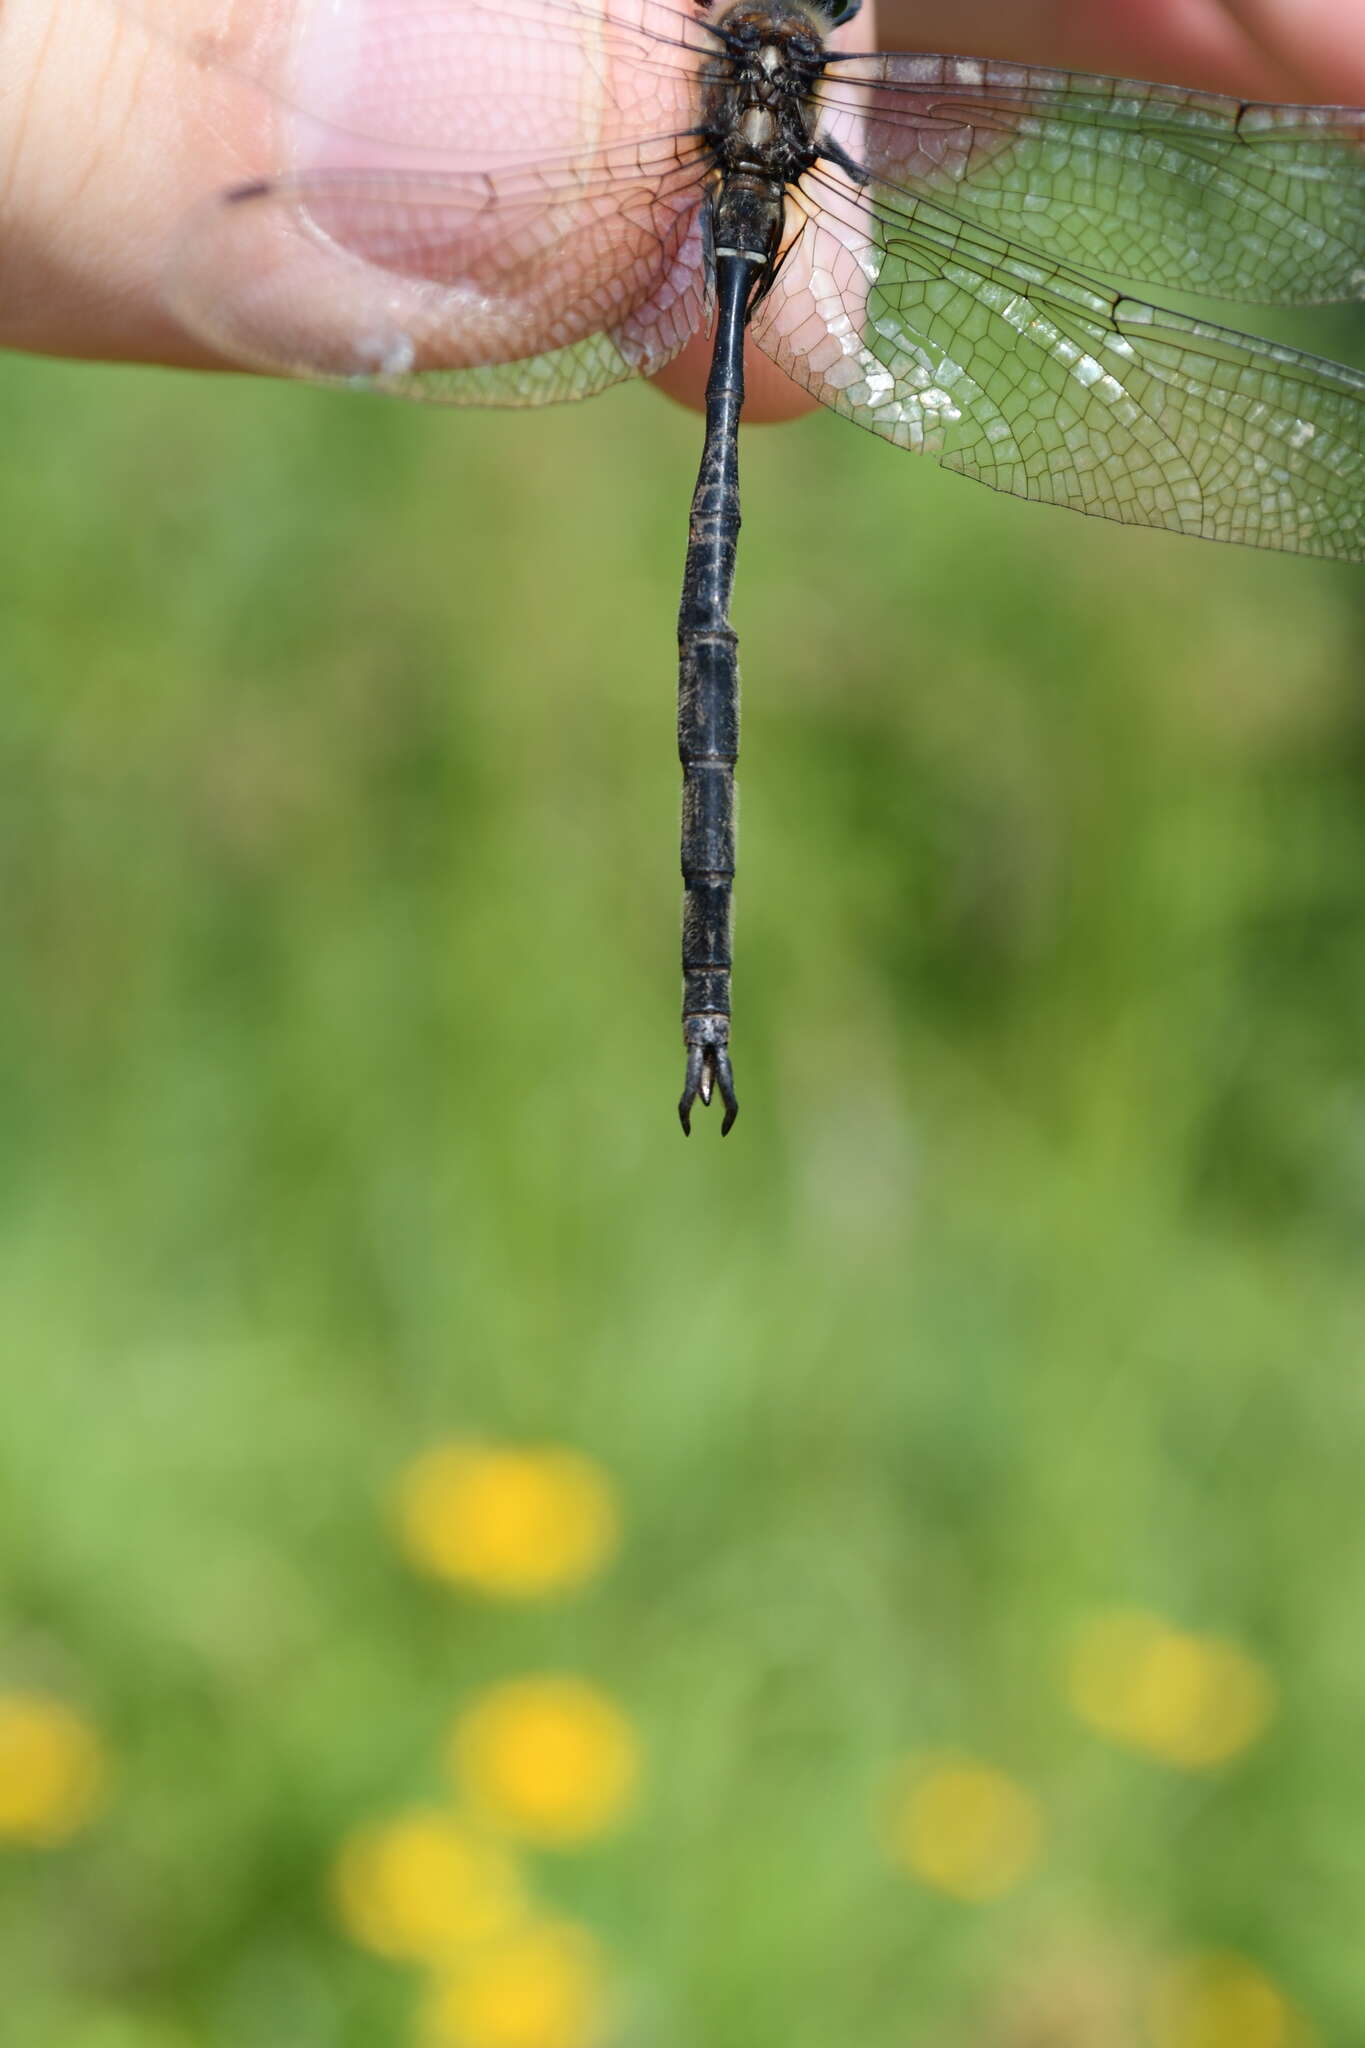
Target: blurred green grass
339	1052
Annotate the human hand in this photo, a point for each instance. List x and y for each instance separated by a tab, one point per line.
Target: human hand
112	133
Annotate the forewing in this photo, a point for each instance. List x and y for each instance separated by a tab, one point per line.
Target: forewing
1148	184
459	290
944	337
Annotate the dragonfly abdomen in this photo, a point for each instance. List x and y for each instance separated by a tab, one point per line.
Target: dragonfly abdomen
708	695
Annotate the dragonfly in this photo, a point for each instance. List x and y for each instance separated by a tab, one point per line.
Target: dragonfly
940	249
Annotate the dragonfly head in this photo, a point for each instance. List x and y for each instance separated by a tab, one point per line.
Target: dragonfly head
823	15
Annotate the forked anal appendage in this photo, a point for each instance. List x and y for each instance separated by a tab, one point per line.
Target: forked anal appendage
708	1068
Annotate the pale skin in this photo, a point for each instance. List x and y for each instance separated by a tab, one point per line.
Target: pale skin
109	134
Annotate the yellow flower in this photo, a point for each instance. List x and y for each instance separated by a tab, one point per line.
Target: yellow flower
422	1885
52	1769
551	1760
1223	2001
963	1827
542	1987
515	1523
1195	1701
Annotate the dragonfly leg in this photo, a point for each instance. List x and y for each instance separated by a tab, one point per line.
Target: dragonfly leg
832	152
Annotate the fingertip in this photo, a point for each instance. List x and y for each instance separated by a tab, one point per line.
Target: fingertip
769	394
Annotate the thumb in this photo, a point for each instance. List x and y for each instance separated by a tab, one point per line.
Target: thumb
119	117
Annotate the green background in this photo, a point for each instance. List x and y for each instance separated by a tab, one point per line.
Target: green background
338	1061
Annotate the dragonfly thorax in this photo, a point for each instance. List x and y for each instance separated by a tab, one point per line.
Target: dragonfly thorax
758	92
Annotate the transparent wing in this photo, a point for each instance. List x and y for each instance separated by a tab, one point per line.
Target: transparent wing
485	201
1151	184
473	80
453	289
945	337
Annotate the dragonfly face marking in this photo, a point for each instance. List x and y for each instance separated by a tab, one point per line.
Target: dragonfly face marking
528	200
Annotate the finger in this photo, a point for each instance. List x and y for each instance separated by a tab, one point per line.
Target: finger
769	394
187	98
110	135
1180	42
527	196
476	84
1319	42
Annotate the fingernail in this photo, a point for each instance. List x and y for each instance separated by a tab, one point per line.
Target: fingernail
458	87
